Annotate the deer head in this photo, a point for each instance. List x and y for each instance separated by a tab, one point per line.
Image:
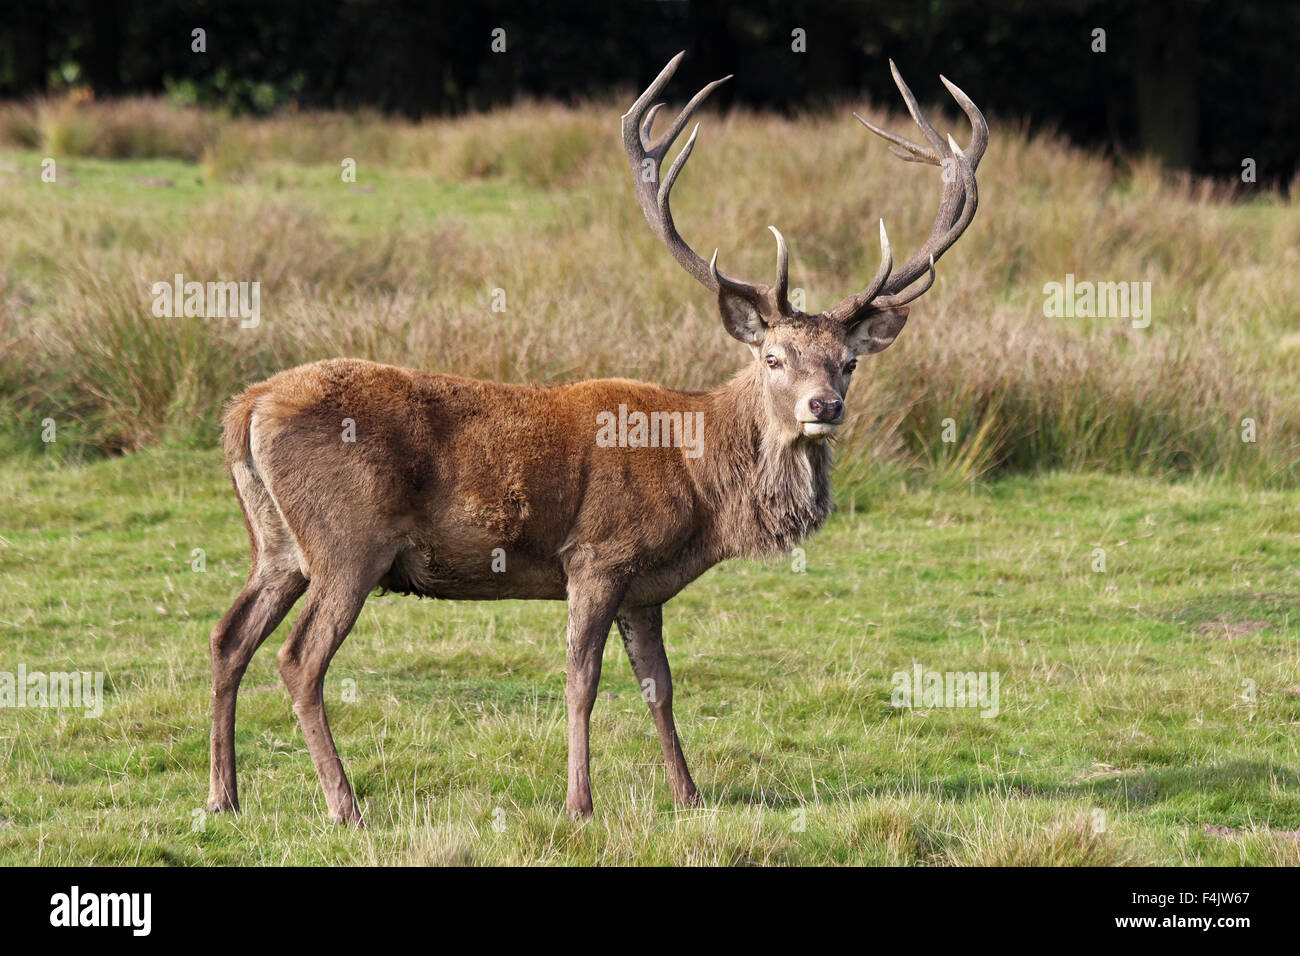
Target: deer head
805	361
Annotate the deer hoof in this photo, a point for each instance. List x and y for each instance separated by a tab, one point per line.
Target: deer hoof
579	812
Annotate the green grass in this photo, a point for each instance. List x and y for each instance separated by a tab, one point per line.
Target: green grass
150	190
1120	692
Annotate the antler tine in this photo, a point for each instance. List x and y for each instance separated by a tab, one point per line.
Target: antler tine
957	204
914	108
666	187
648	124
893	301
653	193
850	307
781	289
631	119
915	153
979	139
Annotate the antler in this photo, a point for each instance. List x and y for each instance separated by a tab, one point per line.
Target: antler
646	156
957	204
888	289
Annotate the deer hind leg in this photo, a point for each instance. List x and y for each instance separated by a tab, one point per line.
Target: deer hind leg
260	607
274	584
333	601
642	630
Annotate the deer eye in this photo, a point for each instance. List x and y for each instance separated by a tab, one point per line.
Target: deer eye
848	369
773	362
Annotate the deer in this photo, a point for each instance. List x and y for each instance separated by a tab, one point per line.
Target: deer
443	472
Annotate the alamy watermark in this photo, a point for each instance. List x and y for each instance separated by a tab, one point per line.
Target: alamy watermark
133	911
1099	300
80	690
920	688
211	300
651	430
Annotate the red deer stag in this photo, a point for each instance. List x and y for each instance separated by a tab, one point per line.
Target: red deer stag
443	471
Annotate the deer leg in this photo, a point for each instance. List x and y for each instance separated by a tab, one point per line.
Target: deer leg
260	607
642	630
330	611
592	604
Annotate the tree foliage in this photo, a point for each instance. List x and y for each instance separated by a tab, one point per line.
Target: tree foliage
1202	85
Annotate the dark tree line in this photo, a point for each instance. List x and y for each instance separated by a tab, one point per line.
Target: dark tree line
1202	84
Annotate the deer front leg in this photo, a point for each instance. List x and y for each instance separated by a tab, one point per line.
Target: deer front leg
642	630
593	600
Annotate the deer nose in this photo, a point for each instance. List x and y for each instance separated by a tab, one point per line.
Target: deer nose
826	409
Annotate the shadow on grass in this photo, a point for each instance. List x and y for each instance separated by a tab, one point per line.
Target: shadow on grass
1225	784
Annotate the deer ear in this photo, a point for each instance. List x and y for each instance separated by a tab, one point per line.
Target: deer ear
877	331
741	317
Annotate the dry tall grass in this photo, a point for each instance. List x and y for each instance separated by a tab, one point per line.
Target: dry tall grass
590	293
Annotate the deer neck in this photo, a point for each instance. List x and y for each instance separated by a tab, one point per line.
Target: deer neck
766	493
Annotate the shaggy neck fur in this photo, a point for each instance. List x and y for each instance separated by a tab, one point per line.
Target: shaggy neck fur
768	492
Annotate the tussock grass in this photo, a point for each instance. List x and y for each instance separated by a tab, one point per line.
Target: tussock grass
534	201
123	129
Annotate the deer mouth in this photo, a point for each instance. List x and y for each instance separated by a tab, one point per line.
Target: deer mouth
819	429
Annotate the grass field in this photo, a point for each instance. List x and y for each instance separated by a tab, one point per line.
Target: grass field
1121	691
1148	709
